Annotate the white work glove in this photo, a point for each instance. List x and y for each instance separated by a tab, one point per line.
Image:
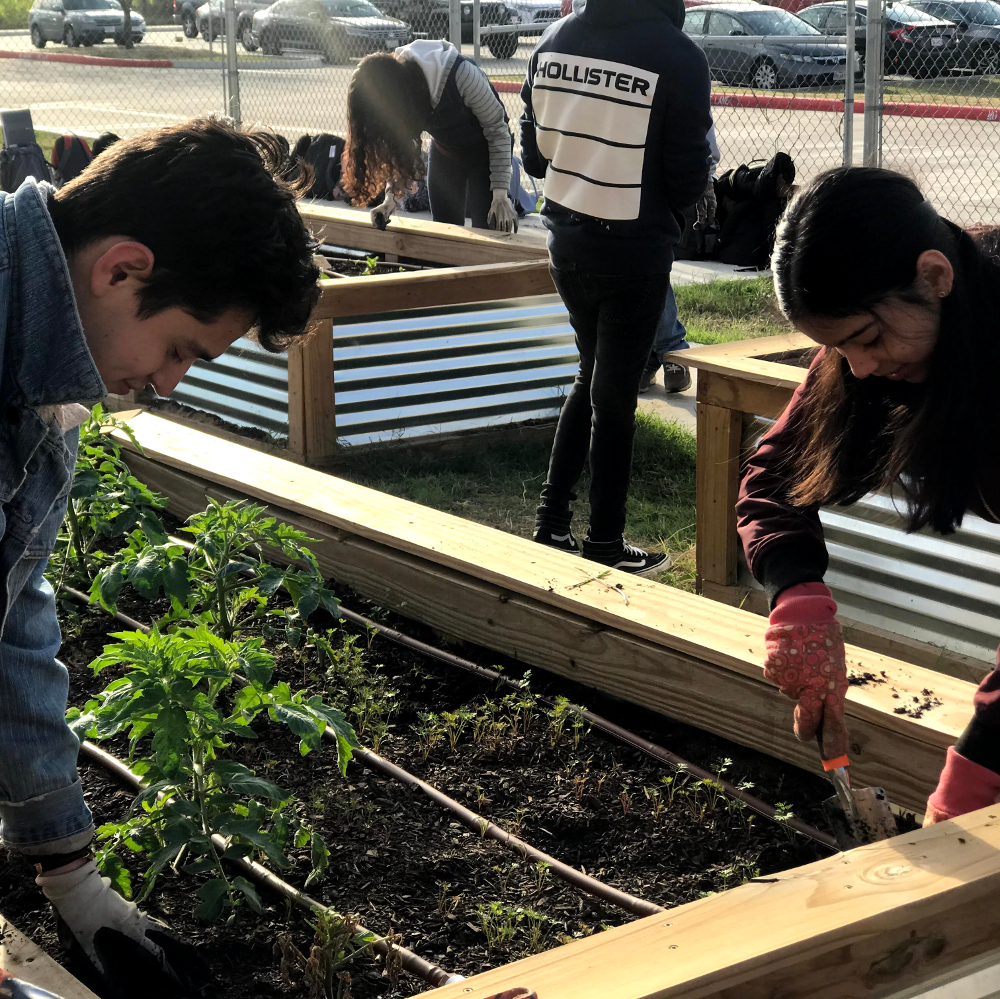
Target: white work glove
380	215
127	949
502	216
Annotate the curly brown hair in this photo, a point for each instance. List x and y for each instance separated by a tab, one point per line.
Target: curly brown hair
388	105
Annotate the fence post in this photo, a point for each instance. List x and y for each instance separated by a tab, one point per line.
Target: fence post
477	29
874	78
312	412
849	68
455	23
232	71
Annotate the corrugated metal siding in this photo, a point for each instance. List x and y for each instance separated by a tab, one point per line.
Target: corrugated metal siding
409	373
437	370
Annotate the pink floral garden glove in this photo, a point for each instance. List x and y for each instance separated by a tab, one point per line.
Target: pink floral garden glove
805	658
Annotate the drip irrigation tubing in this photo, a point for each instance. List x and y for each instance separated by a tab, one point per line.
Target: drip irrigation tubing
415	965
752	802
477	823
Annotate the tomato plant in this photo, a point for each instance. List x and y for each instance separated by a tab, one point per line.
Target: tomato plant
105	501
172	697
223	579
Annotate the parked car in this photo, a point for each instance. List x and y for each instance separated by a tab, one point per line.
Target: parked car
81	22
211	20
740	58
792	6
978	35
431	18
337	29
185	14
915	42
537	14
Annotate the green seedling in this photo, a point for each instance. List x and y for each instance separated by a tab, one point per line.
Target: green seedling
336	942
176	697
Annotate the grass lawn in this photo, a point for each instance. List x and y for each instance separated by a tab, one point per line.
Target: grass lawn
499	486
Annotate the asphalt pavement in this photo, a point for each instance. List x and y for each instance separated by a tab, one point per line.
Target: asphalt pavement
954	160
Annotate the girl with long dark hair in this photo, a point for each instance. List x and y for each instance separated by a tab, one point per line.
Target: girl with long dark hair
427	86
906	308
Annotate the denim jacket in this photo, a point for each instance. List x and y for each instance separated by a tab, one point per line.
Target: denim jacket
44	363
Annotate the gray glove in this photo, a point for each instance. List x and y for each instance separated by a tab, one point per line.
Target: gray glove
380	215
502	216
126	949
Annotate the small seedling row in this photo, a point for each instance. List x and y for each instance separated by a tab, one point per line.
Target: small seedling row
379	854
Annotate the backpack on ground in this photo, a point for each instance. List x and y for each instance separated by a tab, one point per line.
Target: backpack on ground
323	153
18	163
70	157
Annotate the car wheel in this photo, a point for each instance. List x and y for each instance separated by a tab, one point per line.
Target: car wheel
246	37
207	37
764	75
69	37
334	54
503	46
190	25
988	61
36	37
269	44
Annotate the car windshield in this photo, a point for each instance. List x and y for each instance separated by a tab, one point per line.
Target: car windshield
903	13
979	13
775	22
92	5
351	8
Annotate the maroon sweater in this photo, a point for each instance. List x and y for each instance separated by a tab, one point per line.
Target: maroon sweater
784	546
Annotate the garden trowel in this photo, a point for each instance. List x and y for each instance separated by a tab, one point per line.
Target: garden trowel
856	815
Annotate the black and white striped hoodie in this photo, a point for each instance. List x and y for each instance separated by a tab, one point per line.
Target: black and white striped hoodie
616	114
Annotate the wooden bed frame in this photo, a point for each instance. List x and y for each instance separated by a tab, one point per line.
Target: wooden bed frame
865	923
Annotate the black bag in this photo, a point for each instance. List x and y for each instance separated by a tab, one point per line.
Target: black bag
751	200
323	153
17	163
70	157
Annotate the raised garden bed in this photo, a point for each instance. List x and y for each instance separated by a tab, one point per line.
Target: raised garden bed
402	864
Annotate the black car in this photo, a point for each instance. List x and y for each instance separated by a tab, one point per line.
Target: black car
337	29
184	13
212	20
431	18
978	23
915	42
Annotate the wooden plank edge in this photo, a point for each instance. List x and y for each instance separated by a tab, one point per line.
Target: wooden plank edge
751	368
697	628
25	960
745	710
358	296
865	923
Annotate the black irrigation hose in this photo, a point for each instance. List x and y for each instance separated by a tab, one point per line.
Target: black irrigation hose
417	966
752	802
469	818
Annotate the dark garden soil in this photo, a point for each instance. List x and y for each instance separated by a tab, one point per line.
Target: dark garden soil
402	864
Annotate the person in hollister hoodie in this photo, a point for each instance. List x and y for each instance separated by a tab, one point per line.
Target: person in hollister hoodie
616	118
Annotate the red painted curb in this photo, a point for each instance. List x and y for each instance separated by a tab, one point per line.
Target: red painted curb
965	112
506	86
88	60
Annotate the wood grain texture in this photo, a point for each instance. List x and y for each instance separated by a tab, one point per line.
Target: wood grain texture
422	240
742	395
312	415
866	923
753	347
359	296
25	960
686	656
717	480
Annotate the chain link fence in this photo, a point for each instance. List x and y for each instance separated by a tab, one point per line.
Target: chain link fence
778	84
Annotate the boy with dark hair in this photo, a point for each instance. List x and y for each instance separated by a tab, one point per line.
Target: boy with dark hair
167	248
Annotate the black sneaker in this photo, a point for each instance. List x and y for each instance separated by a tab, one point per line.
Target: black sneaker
561	538
648	380
621	555
676	378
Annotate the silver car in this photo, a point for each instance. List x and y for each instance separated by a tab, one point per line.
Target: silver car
81	22
739	51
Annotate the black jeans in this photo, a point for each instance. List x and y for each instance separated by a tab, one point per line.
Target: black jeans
459	183
615	319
